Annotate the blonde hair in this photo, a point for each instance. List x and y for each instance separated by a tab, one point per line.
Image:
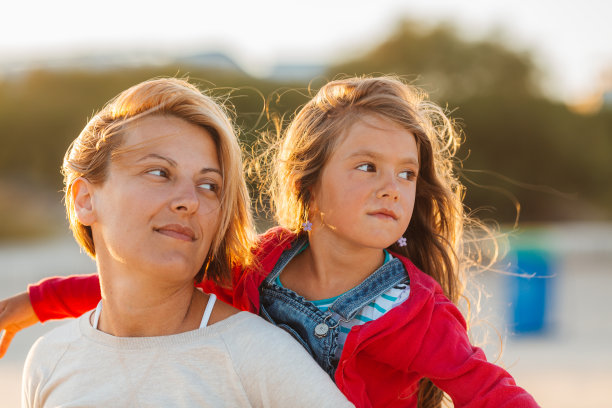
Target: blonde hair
434	236
91	152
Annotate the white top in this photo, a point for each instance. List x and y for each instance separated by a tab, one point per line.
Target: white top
242	361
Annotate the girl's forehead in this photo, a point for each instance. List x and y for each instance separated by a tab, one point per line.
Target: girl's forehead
375	133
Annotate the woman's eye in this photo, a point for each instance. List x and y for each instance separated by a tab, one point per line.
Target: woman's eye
158	172
209	186
366	167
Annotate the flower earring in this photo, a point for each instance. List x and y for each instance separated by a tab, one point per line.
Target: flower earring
307	226
402	242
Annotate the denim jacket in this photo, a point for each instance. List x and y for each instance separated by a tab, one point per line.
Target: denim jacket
318	331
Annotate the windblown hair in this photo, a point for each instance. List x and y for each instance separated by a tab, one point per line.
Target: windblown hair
91	153
434	235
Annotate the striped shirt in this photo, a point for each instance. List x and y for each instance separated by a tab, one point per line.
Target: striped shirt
372	311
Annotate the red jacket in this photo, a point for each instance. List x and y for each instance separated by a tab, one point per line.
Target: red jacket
382	361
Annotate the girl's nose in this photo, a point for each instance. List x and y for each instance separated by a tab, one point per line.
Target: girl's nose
389	189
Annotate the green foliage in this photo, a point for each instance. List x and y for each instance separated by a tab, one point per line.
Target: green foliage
449	68
43	111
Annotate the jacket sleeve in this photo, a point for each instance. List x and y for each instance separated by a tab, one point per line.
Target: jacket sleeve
223	293
448	359
62	297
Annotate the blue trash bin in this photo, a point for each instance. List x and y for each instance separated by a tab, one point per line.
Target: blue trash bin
529	288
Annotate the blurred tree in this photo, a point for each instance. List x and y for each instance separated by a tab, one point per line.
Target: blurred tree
447	66
524	147
41	112
519	146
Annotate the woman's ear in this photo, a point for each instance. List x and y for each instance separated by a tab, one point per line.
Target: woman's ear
82	196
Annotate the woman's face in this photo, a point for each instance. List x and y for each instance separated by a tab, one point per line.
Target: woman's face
158	209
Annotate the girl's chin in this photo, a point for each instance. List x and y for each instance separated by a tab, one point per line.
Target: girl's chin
377	244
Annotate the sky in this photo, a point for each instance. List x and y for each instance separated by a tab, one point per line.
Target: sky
570	40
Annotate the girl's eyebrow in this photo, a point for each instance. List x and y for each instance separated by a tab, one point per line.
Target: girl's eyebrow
372	155
174	164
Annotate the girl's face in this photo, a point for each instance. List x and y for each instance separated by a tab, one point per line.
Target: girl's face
366	192
159	207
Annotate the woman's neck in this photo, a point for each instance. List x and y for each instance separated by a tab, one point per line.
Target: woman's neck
137	308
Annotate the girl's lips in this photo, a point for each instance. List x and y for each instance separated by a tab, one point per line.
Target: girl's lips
384	214
177	231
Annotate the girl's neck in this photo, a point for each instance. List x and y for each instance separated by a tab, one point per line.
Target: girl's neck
328	268
143	309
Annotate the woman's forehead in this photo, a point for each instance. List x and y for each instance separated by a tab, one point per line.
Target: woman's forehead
167	136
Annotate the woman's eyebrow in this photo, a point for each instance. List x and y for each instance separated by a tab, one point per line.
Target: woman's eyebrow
158	156
174	164
211	169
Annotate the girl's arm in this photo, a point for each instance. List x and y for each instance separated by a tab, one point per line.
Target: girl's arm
16	313
52	298
448	359
62	297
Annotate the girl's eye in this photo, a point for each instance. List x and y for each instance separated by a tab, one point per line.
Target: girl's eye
407	175
158	172
366	167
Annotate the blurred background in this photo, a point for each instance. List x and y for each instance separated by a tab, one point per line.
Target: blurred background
529	82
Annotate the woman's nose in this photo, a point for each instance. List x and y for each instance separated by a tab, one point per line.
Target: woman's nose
185	198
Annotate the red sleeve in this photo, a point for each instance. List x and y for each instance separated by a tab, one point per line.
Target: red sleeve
225	294
244	293
462	370
61	297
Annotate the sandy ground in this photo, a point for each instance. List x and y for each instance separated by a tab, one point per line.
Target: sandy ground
568	365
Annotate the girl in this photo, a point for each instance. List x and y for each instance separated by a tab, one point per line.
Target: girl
364	270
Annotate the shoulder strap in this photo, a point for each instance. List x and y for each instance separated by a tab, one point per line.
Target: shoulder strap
96	317
209	308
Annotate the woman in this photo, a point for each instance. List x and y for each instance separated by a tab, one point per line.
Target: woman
154	192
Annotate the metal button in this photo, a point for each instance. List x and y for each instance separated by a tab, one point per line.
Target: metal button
321	330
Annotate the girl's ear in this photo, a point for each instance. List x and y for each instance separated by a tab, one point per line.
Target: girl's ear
82	196
313	195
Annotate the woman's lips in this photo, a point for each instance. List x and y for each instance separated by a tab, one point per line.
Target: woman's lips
177	231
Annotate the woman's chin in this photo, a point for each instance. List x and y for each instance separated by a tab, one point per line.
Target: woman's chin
175	269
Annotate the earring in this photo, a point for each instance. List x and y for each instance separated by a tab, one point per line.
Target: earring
307	226
402	242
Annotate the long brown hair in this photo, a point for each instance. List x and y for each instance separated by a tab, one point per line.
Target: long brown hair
435	234
91	152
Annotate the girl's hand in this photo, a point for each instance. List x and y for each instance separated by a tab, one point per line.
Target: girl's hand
16	313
